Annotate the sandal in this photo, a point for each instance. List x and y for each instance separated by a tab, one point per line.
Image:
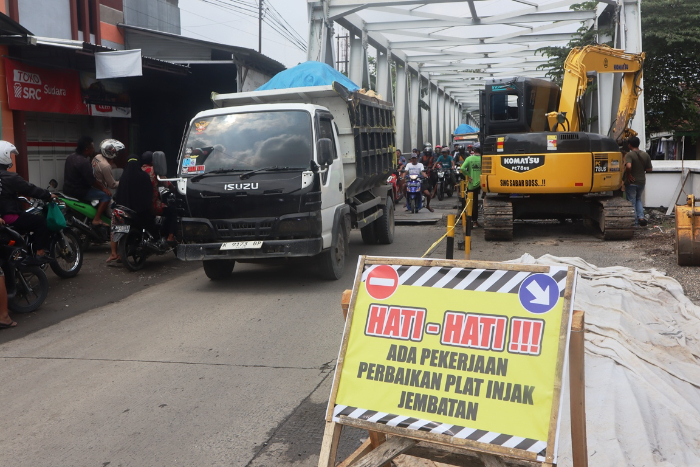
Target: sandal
8	326
430	209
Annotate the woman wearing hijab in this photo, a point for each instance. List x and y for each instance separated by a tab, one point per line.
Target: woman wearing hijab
160	208
136	193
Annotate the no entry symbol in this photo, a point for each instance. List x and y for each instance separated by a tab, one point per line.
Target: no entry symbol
382	282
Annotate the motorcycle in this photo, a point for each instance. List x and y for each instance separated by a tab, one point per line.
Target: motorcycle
136	242
444	182
79	215
26	283
396	191
414	194
64	246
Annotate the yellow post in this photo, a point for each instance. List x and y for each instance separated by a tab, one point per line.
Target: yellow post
449	252
467	224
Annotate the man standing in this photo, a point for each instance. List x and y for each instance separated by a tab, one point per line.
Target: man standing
471	169
79	179
637	164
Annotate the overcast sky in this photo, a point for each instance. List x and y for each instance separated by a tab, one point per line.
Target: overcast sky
202	19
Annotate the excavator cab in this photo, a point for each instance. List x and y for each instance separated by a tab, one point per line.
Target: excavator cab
517	105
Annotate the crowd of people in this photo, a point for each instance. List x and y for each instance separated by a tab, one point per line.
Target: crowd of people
89	176
425	164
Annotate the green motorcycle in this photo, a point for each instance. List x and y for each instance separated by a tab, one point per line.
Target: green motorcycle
79	215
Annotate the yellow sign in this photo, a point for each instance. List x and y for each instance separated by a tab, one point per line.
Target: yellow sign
467	350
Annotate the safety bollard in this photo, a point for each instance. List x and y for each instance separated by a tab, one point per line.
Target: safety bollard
468	227
449	253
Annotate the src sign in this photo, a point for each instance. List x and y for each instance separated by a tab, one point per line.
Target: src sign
522	163
39	90
467	350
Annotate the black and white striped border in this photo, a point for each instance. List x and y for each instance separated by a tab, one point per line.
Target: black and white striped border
461	432
480	280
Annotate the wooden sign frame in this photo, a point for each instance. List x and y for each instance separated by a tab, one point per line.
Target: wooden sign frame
332	433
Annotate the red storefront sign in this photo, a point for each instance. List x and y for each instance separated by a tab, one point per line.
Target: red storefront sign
43	90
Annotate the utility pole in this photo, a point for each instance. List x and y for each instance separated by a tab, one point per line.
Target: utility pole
260	2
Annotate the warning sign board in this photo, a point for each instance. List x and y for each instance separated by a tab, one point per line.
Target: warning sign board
460	352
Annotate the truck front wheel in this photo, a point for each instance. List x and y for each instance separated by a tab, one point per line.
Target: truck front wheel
218	269
384	226
333	260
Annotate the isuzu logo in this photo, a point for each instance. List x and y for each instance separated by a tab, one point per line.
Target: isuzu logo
240	186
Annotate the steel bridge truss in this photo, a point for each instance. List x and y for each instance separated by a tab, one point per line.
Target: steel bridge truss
444	51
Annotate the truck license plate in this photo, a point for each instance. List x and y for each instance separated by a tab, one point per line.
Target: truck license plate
242	245
120	228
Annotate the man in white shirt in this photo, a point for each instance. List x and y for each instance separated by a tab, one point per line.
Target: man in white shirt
416	168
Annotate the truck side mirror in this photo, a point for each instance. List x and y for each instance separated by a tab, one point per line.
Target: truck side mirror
325	151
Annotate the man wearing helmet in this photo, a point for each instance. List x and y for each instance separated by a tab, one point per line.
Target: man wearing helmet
13	185
101	166
79	179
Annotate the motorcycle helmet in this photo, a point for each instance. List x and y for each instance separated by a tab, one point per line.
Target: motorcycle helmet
427	147
110	148
6	151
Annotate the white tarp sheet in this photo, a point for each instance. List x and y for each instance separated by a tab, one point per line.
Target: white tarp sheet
118	64
642	368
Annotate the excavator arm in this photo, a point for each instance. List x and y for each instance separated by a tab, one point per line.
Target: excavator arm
602	59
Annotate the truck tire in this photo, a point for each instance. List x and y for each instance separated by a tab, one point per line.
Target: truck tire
333	260
384	226
218	269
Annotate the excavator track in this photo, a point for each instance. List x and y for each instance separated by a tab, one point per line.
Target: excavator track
617	218
498	219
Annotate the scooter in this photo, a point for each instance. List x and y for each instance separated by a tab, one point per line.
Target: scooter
414	194
136	242
26	283
65	246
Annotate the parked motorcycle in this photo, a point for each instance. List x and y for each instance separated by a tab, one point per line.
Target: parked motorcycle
64	246
26	283
79	215
414	194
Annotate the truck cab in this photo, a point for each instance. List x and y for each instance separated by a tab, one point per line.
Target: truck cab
270	180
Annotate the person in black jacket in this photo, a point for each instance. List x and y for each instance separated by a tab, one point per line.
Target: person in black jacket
11	186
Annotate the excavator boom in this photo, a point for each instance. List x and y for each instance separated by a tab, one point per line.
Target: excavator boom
601	59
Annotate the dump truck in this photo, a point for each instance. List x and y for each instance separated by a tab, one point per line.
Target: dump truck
285	173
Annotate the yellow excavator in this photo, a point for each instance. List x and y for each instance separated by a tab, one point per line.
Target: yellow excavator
537	163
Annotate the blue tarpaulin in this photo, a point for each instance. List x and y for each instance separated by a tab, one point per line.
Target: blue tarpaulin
463	129
308	74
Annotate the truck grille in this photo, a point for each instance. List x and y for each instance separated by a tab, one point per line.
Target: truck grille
242	230
486	165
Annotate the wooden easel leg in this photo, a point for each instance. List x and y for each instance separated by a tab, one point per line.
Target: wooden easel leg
577	383
329	446
376	438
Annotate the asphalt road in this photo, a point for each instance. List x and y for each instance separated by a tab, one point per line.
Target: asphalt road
165	367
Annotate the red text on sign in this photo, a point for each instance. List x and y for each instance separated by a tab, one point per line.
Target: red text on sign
395	322
474	331
526	336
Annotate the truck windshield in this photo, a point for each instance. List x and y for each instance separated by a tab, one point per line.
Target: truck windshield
248	142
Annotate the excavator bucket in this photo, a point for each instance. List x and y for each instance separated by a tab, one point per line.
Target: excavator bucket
688	233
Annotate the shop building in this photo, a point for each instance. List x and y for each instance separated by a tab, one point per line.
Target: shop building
52	95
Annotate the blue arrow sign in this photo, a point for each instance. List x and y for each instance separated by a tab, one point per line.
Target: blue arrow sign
539	293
